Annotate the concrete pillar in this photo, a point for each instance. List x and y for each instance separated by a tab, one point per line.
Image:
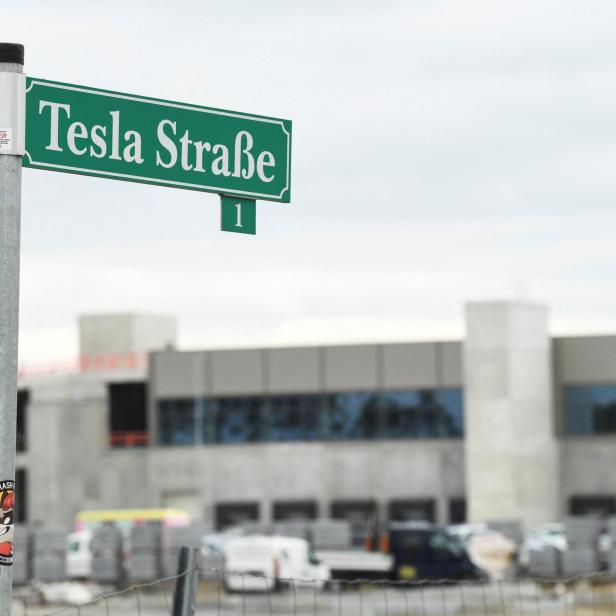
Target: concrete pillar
511	451
112	340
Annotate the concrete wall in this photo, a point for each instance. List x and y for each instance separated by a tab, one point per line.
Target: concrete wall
306	370
511	450
321	472
509	415
588	467
67	433
66	459
379	470
587	461
125	333
584	360
70	466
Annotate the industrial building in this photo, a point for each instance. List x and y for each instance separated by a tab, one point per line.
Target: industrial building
509	423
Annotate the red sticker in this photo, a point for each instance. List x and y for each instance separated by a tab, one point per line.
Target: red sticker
7	505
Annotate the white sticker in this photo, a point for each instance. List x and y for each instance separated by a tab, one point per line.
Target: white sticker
6	139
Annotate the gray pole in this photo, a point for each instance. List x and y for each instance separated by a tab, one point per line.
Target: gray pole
186	583
11	61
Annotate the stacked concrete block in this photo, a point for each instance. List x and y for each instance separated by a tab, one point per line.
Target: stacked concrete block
21	556
107	552
212	566
176	538
254	528
580	561
49	555
545	563
611	561
610	556
331	535
145	562
610	527
582	556
510	528
292	528
582	531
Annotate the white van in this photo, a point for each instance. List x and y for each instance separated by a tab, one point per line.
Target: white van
259	562
79	555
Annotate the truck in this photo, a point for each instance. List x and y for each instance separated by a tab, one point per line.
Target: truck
267	563
421	551
408	551
356	563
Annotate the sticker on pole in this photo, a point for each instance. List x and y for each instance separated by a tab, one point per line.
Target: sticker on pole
7	505
6	139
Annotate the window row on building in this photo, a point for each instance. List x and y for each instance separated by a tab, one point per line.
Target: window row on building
362	514
423	413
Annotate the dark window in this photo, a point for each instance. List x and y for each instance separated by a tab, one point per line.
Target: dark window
590	409
235	514
23	398
425	413
179	421
294	510
21	496
408	510
457	510
362	515
451	406
295	418
595	505
308	417
238	420
128	414
410	540
353	416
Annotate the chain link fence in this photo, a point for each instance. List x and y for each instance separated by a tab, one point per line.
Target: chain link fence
593	595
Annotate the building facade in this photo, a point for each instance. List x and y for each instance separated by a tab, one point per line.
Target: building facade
509	423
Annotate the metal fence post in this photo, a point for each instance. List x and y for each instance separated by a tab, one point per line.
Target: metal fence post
186	583
12	135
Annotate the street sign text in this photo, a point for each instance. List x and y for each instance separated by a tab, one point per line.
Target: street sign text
110	134
238	215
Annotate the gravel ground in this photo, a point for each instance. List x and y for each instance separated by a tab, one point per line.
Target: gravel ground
506	599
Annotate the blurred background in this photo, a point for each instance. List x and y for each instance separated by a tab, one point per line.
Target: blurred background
411	368
443	151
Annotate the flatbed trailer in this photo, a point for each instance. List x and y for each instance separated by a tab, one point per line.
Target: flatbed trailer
355	564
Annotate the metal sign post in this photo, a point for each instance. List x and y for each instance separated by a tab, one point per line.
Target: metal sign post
12	117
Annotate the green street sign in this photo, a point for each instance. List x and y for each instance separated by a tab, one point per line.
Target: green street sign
88	131
238	215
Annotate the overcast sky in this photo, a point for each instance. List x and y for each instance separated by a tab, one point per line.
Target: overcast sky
444	151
